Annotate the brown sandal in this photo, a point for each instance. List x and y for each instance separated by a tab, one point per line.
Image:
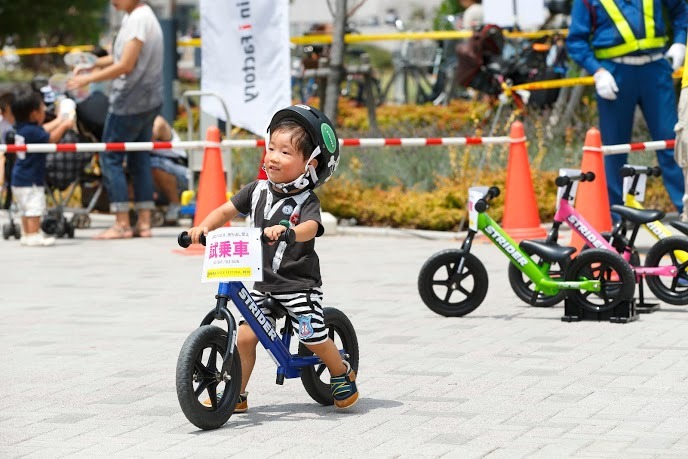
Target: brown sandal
116	232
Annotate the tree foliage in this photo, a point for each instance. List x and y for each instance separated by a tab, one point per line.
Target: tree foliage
51	22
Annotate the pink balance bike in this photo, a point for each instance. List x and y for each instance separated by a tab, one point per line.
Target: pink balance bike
661	261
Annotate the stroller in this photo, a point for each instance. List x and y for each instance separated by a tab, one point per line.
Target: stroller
9	229
67	171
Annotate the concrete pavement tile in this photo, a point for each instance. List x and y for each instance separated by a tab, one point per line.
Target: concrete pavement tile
15	436
549	431
500	362
674	424
124	398
605	446
400	449
107	448
655	442
69	418
561	448
507	452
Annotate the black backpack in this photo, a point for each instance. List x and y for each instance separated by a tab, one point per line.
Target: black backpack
474	56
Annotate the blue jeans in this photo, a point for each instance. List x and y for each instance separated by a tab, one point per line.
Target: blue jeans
650	86
180	173
128	128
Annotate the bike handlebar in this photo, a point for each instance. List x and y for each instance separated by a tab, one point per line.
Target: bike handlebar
564	180
649	171
481	204
184	240
288	236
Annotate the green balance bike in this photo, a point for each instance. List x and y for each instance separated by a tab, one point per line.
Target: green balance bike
454	282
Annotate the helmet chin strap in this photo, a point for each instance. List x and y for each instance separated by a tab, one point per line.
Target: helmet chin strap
308	177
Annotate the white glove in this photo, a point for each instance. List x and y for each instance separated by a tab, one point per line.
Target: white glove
676	55
605	85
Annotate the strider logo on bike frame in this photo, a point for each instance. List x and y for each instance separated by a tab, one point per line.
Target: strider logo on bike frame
258	314
506	245
585	231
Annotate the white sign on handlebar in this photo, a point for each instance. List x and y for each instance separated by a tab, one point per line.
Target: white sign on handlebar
475	193
574	187
640	186
233	254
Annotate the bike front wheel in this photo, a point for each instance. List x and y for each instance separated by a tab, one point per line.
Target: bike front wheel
316	379
449	292
672	251
206	395
617	280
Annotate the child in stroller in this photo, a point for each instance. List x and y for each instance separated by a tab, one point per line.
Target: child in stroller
68	171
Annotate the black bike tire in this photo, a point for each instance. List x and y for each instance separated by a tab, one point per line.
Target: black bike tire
654	255
518	285
315	387
442	259
626	278
199	415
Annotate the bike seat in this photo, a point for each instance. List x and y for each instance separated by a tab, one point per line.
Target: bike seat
638	216
547	251
681	226
275	307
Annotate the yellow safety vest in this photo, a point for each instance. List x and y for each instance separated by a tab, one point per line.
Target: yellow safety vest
684	80
631	43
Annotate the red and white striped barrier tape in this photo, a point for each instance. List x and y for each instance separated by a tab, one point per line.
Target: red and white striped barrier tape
111	146
245	143
638	146
258	143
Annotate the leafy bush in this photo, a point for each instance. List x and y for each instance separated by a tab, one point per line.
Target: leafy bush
427	187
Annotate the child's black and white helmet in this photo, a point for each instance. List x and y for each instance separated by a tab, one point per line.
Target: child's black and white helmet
321	131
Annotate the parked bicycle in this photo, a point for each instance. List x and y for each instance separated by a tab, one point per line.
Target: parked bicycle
454	282
661	261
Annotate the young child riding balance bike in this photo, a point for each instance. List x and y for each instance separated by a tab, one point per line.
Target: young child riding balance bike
302	154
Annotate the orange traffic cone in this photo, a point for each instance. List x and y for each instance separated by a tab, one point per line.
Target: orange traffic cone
521	218
592	200
212	186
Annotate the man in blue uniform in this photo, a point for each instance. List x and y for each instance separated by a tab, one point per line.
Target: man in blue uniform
623	44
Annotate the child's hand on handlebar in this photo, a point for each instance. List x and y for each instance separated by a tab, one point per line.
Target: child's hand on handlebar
273	233
195	233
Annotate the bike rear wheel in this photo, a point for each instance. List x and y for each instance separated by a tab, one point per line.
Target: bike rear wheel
672	290
614	273
199	378
523	286
316	379
448	292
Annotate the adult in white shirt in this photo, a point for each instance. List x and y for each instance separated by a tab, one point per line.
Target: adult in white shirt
135	68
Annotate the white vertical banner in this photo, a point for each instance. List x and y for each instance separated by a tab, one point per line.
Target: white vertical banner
245	60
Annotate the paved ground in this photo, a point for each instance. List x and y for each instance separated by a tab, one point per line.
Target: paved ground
90	332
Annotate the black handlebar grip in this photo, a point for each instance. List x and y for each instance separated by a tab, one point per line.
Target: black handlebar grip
493	192
184	240
627	171
589	176
656	171
481	205
289	236
562	180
